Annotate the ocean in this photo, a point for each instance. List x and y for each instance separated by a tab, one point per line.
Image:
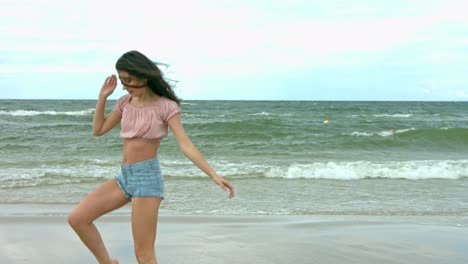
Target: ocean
283	157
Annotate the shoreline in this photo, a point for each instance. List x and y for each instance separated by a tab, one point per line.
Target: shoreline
258	239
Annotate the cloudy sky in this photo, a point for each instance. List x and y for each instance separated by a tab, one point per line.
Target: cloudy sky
240	49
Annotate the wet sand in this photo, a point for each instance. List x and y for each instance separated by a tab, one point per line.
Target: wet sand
248	239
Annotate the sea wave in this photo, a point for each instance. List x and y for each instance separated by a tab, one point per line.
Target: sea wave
384	133
422	135
260	114
411	170
12	177
394	115
35	113
382	115
351	170
186	103
357	170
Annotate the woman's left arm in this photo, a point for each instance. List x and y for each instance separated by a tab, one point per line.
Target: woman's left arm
193	154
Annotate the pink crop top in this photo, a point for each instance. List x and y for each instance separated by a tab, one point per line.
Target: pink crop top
146	122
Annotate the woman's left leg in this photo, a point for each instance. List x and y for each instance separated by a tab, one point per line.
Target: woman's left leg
144	223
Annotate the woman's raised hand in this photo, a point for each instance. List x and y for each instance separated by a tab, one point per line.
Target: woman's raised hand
108	86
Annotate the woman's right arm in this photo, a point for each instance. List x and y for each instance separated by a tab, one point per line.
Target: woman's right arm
101	124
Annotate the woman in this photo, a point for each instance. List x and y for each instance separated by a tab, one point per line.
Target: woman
145	114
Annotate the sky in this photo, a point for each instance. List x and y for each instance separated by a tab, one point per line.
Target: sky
240	49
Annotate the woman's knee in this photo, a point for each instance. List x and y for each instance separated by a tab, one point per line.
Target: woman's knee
76	220
73	219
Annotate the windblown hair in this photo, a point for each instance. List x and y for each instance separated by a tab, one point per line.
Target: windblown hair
137	64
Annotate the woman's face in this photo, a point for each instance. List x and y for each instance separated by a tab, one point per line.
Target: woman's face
132	84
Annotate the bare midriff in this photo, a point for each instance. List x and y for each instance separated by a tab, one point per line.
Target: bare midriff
137	149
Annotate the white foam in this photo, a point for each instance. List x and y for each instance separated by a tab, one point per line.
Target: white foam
352	170
261	114
413	170
404	130
35	113
394	115
383	115
362	134
30	177
370	134
195	115
385	133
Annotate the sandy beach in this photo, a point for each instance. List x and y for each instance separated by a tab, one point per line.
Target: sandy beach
248	239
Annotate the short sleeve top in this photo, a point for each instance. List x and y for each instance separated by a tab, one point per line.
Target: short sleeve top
146	122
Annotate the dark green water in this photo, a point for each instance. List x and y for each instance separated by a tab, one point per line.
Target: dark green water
371	157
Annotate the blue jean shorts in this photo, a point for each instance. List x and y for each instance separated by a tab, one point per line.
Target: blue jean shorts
141	179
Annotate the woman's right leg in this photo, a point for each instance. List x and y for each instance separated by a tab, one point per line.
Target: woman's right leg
104	199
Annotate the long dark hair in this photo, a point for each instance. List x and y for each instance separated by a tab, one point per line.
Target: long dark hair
137	64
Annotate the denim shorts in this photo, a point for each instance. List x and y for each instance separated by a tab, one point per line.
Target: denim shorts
141	179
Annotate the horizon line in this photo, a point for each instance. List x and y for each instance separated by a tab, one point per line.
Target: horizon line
253	100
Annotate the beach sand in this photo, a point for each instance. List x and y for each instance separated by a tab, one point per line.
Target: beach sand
247	239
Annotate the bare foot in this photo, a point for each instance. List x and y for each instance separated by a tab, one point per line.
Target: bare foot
114	261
